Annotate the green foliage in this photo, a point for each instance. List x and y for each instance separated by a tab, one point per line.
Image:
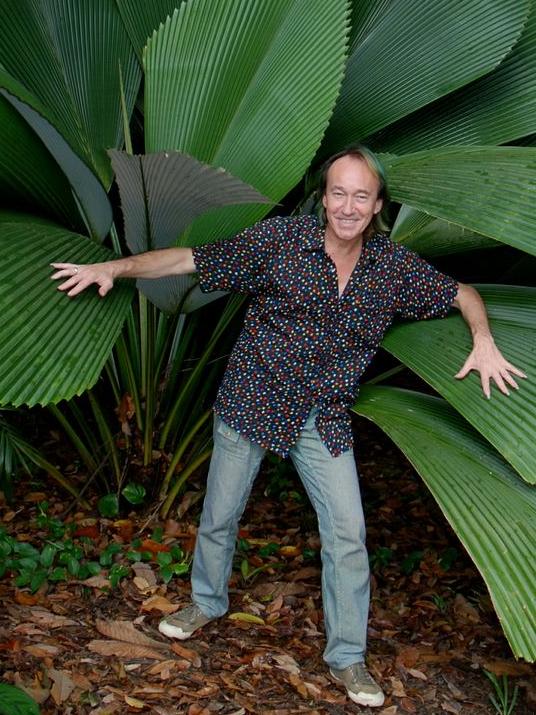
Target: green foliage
14	701
502	699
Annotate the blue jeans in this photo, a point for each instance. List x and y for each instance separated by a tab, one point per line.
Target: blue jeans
333	488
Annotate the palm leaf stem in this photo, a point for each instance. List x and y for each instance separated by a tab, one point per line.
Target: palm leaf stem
190	469
75	438
177	456
106	435
229	312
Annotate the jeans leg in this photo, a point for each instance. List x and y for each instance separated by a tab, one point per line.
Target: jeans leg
233	468
333	487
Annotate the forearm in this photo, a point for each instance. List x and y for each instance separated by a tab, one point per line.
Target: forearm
473	310
153	264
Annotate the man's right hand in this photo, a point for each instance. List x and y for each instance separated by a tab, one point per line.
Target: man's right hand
79	277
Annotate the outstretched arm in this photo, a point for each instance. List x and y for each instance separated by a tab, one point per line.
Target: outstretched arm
153	264
485	356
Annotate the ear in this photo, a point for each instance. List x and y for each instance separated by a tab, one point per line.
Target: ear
378	206
324	202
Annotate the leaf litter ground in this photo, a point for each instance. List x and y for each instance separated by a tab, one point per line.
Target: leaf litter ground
83	647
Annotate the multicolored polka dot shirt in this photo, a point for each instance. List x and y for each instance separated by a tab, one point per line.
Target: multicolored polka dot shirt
301	345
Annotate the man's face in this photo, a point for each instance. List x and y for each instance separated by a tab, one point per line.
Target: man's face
350	200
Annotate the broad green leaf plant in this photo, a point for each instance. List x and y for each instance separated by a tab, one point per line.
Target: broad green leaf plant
143	93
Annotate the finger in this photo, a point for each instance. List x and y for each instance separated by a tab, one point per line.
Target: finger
497	378
509	379
78	288
62	274
63	265
515	370
73	280
484	381
466	369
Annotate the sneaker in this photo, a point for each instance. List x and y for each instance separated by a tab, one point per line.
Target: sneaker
183	623
360	685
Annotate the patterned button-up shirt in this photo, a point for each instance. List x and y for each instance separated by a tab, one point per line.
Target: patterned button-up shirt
302	345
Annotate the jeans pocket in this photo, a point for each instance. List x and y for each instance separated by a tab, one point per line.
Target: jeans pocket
226	431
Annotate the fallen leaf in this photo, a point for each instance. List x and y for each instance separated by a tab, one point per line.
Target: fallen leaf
26	599
464	611
246	617
276	604
159	603
451	707
49	619
507	667
417	674
63	685
391	710
286	662
41	650
187	653
153	546
290	551
125	631
97	581
398	688
135	703
128	651
298	683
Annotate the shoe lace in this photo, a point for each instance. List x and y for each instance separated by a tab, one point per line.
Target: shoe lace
360	674
191	613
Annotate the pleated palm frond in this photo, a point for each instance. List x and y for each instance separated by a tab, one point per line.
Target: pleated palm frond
491	510
61	64
412	54
246	85
52	347
161	194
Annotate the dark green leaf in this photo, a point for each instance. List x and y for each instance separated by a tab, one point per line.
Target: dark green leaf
134	493
108	505
14	701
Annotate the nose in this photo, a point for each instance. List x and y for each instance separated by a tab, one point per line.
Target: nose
348	206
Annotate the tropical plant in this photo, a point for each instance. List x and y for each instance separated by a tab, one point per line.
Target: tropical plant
445	93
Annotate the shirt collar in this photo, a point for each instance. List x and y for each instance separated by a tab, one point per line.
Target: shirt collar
314	241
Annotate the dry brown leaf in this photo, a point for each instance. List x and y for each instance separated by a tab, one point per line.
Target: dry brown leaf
143	570
298	683
196	709
26	599
126	631
507	667
128	651
464	611
41	650
417	674
63	685
287	663
408	657
49	619
276	588
398	688
276	604
186	653
159	603
408	705
97	581
451	707
391	710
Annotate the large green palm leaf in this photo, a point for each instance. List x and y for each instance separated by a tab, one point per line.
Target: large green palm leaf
437	349
54	347
415	53
491	510
490	190
495	109
248	86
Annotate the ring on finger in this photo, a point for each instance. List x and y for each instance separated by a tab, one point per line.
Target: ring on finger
75	269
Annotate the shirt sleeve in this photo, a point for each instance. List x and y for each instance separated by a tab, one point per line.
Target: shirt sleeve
238	263
424	291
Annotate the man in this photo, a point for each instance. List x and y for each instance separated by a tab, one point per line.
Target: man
323	296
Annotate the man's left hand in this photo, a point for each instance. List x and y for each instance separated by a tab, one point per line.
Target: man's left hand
487	359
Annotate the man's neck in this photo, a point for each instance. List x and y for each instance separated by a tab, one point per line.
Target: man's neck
342	249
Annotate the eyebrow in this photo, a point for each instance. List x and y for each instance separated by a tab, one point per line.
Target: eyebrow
341	188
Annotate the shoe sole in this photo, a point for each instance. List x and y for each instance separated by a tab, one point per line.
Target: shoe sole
366	699
174	631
